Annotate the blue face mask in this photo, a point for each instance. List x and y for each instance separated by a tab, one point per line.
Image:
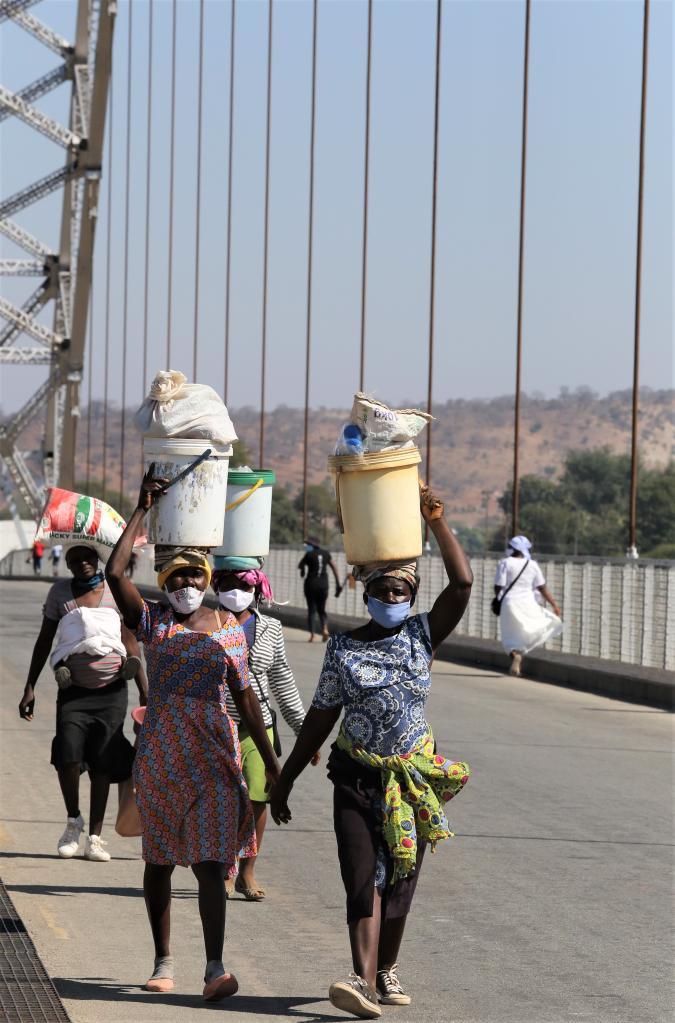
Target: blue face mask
309	547
388	615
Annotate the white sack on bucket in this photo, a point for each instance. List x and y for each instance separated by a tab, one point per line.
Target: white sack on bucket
384	428
175	408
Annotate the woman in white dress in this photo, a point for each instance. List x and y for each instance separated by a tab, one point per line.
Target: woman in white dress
525	622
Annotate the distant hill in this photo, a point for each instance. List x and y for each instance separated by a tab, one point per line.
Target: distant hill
471	441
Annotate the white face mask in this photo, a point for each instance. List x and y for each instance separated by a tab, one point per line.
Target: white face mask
236	600
186	600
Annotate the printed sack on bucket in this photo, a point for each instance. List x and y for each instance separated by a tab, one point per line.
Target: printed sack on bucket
70	519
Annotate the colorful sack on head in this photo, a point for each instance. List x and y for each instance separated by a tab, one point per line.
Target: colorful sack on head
71	519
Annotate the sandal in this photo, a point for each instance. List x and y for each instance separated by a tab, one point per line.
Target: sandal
229	887
162	976
250	894
222	987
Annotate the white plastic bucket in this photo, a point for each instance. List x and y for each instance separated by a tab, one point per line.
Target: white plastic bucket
378	503
190	513
248	514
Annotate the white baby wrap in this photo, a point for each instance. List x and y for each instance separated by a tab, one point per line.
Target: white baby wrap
88	630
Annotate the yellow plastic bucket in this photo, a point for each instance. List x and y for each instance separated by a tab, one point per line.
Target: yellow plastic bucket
378	505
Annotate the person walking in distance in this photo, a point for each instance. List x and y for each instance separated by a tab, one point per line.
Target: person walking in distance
56	552
38	551
92	674
524	621
390	782
315	564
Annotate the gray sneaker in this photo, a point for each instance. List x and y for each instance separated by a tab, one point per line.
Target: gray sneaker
355	995
389	987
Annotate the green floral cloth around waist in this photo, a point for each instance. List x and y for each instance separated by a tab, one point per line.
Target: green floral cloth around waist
415	786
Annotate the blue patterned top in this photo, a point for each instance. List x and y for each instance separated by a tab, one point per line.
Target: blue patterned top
383	686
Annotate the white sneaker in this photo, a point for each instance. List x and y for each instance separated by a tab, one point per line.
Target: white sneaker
93	849
70	839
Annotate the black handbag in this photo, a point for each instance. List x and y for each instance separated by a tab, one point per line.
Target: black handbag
496	603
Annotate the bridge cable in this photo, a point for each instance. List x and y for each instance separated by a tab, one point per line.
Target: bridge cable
515	498
432	269
263	365
310	234
90	376
228	242
172	162
125	299
106	357
634	454
366	174
198	211
148	169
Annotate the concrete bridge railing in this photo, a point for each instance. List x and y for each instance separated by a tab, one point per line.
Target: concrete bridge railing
614	609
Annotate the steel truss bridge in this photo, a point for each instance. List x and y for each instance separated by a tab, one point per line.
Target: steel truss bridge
65	275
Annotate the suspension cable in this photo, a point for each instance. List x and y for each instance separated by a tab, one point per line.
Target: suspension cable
432	269
90	377
310	238
263	366
366	174
228	243
515	505
632	503
106	356
198	211
148	168
125	293
172	168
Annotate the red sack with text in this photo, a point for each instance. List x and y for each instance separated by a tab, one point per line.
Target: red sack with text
71	519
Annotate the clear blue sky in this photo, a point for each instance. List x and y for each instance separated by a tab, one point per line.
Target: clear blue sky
581	214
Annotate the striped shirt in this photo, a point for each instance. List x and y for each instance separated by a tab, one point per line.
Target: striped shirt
269	670
87	671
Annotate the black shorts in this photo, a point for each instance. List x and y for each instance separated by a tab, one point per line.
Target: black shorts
89	731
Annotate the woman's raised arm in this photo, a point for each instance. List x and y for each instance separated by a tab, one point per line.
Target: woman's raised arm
127	597
450	605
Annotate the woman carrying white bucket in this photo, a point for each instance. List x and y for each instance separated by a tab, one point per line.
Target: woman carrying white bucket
524	622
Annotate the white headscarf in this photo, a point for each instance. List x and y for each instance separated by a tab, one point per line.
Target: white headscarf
521	544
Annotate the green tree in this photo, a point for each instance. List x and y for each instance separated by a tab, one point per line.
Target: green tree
656	508
286	522
240	455
321	511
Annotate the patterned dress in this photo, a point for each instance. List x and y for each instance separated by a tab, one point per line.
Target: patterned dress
190	790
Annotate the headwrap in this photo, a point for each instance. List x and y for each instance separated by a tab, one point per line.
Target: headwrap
226	563
252	577
406	570
168	559
522	544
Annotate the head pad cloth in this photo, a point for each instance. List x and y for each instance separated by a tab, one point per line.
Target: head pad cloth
522	544
406	570
168	559
226	563
252	577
